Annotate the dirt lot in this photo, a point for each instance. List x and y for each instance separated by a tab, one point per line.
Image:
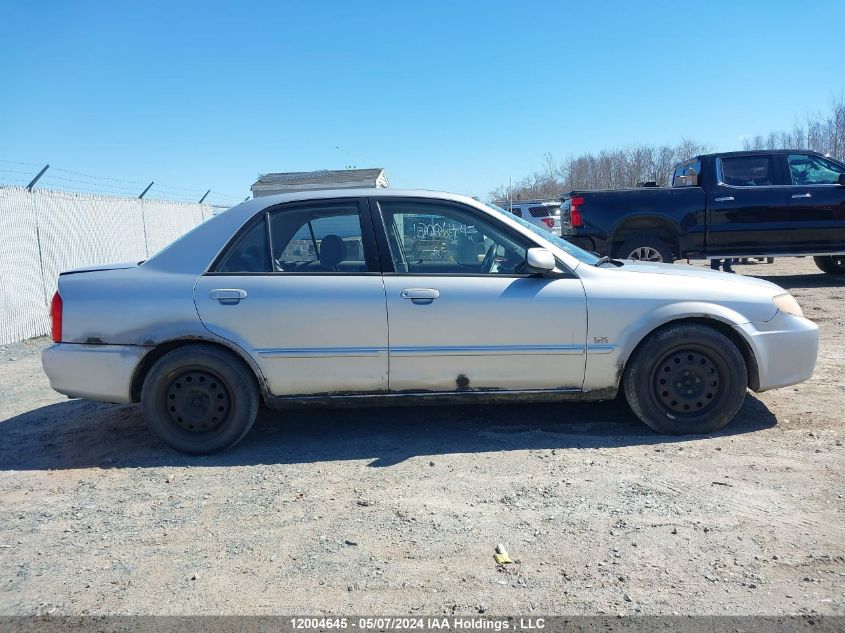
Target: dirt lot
399	510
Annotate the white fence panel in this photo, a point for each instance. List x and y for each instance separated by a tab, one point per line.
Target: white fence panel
23	311
80	230
46	232
167	220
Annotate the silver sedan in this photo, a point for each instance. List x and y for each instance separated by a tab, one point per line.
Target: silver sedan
353	296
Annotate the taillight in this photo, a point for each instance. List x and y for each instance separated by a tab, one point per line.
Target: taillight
575	218
549	222
56	317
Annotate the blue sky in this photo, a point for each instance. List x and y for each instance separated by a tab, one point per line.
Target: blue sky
445	95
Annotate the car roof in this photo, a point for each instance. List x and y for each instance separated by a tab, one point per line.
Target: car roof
758	152
538	201
193	252
361	192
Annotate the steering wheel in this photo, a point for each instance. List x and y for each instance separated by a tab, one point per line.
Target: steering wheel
489	258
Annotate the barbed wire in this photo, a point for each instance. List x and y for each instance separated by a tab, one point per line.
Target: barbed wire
107	184
15	171
79	173
16	162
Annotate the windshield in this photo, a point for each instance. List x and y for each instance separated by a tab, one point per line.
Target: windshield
578	253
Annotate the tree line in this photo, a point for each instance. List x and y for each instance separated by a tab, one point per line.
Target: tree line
629	166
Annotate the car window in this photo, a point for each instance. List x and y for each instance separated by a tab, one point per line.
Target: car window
435	238
686	174
747	171
249	254
541	211
806	169
320	238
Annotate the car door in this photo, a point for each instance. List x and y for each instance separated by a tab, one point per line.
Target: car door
300	289
817	203
749	207
463	315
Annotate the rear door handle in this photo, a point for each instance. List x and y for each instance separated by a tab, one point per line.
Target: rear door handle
724	199
228	296
795	196
420	295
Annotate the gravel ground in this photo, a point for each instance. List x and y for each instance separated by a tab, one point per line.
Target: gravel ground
400	510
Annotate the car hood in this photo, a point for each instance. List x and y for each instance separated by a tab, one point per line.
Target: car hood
683	270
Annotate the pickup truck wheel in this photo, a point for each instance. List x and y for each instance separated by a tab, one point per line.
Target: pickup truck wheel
199	399
833	264
686	379
646	249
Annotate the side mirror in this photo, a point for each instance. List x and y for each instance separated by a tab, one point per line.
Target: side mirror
539	260
842	179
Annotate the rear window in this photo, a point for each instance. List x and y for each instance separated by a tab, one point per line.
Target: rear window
747	171
543	211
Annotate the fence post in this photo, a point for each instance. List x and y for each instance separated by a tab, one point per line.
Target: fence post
146	190
38	244
144	224
37	178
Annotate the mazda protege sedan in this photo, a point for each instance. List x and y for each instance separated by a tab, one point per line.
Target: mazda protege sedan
351	296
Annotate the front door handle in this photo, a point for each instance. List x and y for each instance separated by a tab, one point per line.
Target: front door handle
420	296
724	199
795	196
228	296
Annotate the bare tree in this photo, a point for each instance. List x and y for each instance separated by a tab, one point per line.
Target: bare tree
626	167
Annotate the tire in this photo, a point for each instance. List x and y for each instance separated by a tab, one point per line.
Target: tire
200	399
644	248
686	379
833	264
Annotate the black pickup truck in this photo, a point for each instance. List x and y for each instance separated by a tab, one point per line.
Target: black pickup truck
738	204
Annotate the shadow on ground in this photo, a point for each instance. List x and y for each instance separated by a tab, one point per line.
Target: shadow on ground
82	434
821	280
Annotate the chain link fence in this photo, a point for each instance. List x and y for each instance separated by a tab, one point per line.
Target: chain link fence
45	232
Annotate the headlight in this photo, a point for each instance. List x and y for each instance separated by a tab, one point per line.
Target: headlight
787	303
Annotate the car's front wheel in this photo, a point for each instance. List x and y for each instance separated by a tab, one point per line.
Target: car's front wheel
200	399
833	264
686	379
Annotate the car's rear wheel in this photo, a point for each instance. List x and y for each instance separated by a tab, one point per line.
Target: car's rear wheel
833	264
686	379
646	249
200	399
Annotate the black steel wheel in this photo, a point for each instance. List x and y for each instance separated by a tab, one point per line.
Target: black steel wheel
686	379
200	399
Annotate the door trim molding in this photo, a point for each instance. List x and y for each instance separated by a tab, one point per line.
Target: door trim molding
323	352
487	350
430	350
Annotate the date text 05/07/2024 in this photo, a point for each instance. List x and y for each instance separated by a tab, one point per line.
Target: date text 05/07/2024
419	623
